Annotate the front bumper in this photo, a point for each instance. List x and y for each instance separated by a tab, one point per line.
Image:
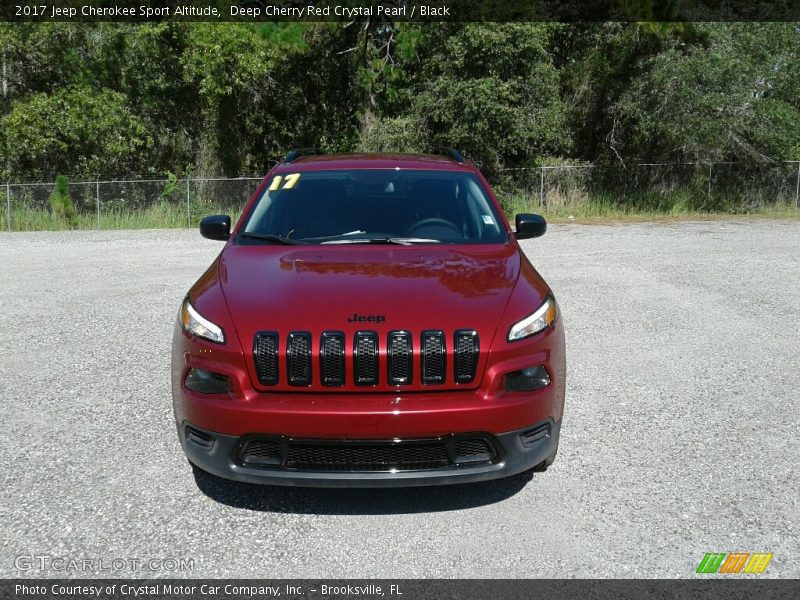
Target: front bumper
220	455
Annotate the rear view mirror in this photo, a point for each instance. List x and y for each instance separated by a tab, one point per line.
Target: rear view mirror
530	226
216	227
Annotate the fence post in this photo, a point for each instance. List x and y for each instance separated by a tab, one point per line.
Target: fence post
797	187
97	198
8	203
541	187
188	205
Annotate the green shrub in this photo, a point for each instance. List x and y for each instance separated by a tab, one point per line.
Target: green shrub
169	187
61	203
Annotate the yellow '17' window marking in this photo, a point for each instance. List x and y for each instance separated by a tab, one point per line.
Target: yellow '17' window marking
288	182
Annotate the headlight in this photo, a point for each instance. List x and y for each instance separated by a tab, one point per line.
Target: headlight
196	324
540	320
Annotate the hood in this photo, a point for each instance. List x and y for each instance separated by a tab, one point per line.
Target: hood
372	288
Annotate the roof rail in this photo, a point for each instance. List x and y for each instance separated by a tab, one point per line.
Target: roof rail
296	153
451	152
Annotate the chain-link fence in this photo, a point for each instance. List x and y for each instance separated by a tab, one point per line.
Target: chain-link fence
656	187
134	203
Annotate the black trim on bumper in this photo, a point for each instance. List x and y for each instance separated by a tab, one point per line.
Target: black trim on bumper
514	457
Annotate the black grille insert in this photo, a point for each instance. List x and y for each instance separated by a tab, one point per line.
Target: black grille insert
261	452
265	355
400	353
474	450
466	349
331	358
434	357
298	358
367	457
365	358
448	452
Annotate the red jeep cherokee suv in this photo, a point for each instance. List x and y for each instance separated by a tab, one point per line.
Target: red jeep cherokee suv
371	321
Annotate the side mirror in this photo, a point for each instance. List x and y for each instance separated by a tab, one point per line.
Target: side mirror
530	226
216	227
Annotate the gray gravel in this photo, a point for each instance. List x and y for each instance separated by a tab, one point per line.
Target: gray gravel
680	434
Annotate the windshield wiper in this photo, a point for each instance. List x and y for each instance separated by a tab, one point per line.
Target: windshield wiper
324	240
388	240
276	239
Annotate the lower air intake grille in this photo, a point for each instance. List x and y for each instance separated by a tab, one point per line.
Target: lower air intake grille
298	358
331	358
265	354
433	357
450	452
473	449
466	354
358	457
365	358
260	452
399	356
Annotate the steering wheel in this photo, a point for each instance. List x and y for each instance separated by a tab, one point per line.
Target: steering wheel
435	222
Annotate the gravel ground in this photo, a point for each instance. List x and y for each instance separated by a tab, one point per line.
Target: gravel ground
680	434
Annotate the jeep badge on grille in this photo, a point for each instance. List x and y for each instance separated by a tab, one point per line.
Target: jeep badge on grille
356	318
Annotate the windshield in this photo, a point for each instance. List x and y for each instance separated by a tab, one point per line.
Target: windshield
363	206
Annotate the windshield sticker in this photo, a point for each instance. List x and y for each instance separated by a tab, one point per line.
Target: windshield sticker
487	219
288	182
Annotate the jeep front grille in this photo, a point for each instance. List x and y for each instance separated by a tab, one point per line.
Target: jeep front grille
434	354
331	358
265	354
399	355
466	350
335	357
365	358
298	358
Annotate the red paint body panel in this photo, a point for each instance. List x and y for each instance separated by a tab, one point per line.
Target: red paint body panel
251	288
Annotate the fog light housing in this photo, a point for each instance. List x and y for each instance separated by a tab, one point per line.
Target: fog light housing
207	382
526	380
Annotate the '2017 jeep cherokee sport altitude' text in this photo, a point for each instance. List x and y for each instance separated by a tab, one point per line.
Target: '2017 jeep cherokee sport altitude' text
371	321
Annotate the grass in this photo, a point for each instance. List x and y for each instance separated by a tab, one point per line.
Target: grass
165	215
644	207
162	215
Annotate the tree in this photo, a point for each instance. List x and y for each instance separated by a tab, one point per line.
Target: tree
490	90
73	130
